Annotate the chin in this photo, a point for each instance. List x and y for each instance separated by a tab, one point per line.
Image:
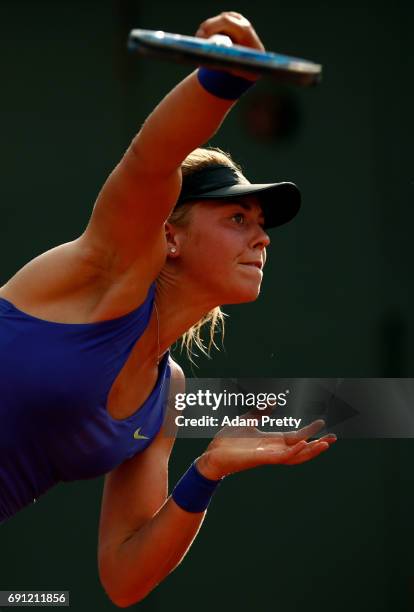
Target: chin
245	293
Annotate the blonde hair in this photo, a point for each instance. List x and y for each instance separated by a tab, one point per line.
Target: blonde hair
181	215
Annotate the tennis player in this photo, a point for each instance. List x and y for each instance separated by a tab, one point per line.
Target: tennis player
86	328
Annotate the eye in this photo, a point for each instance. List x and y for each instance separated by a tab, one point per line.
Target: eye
240	218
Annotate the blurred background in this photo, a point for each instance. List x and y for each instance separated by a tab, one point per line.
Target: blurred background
336	301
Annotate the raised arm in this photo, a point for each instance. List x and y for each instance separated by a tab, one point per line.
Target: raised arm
138	196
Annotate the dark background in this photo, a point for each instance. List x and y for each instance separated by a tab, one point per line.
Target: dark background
336	301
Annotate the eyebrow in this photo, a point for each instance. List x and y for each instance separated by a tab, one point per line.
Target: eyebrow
243	205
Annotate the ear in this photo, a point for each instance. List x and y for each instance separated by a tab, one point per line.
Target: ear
171	235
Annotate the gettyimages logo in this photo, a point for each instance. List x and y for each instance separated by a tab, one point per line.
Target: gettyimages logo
225	399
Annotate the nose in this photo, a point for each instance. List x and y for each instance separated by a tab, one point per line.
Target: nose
260	238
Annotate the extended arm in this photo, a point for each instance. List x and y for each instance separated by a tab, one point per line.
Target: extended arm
144	535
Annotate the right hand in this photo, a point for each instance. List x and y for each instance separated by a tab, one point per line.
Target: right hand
239	30
230	452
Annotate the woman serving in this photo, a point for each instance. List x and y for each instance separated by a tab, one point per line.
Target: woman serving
86	328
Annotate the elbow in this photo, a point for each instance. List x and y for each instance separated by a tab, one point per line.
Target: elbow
112	585
120	599
123	601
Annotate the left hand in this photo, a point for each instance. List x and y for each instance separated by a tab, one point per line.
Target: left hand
230	452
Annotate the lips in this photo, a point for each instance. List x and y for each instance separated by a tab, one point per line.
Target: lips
256	264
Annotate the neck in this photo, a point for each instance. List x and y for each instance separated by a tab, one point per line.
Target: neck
180	305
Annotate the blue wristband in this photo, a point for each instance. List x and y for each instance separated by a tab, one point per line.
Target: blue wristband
193	491
223	84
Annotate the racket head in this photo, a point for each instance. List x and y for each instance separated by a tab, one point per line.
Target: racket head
217	54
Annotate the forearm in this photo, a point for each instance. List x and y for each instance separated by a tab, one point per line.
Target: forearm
185	119
150	554
132	568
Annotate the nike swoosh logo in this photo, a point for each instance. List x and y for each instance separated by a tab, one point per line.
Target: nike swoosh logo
138	436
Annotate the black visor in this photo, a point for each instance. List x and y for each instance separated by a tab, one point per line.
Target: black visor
280	201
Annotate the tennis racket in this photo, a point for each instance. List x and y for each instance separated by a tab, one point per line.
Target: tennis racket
219	52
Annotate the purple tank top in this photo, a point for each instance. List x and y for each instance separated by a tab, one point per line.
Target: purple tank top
55	379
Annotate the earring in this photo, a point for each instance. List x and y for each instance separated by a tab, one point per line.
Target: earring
173	250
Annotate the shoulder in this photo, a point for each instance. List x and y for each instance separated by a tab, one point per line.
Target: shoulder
39	287
177	381
177	372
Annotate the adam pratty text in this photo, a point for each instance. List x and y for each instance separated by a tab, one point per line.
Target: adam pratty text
237	421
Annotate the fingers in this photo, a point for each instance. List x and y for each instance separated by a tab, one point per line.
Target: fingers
228	19
234	25
329	438
312	450
291	437
304	451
